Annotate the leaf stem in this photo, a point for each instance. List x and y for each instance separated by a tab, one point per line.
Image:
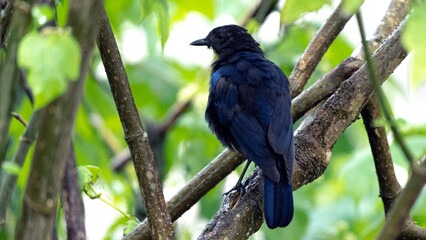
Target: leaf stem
99	196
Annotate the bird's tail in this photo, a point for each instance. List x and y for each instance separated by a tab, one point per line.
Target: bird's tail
278	202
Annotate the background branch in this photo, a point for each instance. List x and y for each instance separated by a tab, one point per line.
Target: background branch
72	203
316	50
9	76
135	135
9	184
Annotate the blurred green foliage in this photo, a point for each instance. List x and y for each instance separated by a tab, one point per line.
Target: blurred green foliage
344	203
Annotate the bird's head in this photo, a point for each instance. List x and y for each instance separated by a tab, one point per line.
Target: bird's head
229	39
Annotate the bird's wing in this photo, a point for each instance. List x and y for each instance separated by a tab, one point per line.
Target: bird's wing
280	131
243	106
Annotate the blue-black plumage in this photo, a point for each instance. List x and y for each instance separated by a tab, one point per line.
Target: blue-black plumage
249	111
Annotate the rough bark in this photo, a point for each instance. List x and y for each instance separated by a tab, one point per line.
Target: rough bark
324	87
135	135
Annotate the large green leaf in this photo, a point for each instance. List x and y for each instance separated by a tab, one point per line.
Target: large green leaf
294	9
52	58
413	39
161	9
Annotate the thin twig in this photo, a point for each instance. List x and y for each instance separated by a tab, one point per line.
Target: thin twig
19	118
373	77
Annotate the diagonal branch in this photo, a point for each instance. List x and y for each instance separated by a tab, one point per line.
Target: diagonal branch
136	137
316	50
324	87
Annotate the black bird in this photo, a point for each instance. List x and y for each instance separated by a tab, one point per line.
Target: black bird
249	111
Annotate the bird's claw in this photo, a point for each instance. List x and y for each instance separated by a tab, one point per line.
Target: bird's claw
238	187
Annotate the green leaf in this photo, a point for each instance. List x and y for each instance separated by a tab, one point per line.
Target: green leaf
351	6
293	9
11	168
161	9
413	39
130	225
184	6
88	174
62	12
42	14
52	58
84	176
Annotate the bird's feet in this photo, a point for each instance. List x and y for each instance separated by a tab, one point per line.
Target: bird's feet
238	187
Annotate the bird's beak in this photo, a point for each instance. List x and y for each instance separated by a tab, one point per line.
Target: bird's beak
200	42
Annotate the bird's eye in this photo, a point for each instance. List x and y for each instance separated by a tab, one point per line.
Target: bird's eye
220	35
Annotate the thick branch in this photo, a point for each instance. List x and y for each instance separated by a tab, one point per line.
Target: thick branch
316	50
315	140
135	135
53	141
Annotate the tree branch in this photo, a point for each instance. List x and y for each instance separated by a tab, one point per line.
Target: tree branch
324	87
9	75
40	200
5	22
396	220
380	94
72	203
136	137
388	184
316	50
26	141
